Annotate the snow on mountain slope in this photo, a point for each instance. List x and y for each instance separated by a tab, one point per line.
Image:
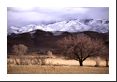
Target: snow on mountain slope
69	26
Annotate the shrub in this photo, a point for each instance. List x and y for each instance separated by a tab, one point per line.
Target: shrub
20	49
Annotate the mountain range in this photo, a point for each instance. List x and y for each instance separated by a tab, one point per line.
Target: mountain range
42	41
43	37
74	25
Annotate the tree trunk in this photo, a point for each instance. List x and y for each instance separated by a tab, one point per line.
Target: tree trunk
81	63
107	63
97	64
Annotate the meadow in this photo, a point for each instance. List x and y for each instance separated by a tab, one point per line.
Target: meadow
31	65
45	69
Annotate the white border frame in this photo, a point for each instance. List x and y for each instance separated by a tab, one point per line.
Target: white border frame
58	77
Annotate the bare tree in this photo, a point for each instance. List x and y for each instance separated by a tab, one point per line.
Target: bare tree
15	49
97	60
81	47
106	56
49	53
20	49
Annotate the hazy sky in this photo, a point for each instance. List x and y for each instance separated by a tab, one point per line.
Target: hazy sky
19	16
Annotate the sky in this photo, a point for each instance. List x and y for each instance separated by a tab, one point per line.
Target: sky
20	16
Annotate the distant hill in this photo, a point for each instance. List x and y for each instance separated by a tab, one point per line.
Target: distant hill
39	40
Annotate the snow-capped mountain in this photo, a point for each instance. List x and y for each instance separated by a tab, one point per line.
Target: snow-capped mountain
69	26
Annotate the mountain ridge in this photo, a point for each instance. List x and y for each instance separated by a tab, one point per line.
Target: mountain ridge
42	40
76	25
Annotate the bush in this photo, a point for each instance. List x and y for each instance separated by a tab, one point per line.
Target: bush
20	49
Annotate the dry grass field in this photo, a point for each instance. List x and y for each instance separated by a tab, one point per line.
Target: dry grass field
55	66
45	69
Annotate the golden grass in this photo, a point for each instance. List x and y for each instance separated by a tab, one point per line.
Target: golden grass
36	69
